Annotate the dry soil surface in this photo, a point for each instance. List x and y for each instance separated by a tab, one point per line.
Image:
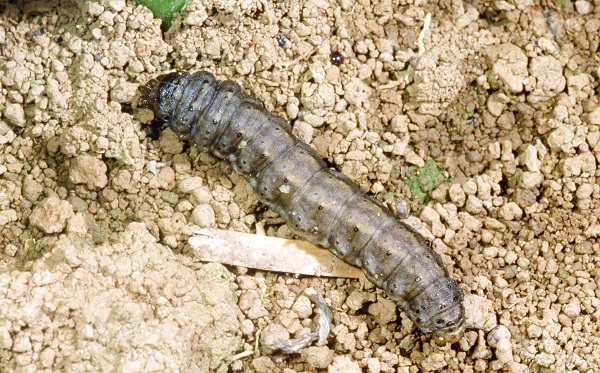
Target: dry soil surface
96	204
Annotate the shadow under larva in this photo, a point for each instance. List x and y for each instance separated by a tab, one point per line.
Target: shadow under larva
319	204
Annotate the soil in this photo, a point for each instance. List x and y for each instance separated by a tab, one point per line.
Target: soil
96	203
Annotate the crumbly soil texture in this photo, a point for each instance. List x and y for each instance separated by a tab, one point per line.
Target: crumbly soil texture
485	118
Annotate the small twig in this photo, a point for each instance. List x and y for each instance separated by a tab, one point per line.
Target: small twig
240	355
420	43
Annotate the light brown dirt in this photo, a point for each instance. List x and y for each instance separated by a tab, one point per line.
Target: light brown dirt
94	214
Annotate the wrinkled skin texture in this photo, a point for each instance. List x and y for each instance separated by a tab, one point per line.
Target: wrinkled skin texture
319	204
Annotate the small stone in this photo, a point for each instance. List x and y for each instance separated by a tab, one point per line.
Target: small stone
11	250
373	365
51	215
457	195
263	364
497	334
89	170
272	334
7	216
434	362
302	307
15	114
583	7
169	142
494	224
549	78
594	117
124	91
47	357
479	313
572	309
496	103
22	343
319	357
530	180
544	359
490	252
474	205
413	158
221	212
203	216
343	364
575	166
247	327
511	211
511	257
6	341
534	331
509	67
289	320
561	139
429	215
76	225
584	191
384	311
593	231
184	205
469	187
356	299
304	131
530	159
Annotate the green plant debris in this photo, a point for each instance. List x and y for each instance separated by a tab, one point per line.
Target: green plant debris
566	5
421	181
164	9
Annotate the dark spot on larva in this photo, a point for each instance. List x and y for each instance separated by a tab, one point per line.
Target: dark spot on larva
356	229
320	207
286	180
389	252
263	156
239	134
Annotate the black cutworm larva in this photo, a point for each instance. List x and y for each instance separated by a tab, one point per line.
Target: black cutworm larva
319	204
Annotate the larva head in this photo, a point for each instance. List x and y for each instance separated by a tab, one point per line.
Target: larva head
439	310
162	94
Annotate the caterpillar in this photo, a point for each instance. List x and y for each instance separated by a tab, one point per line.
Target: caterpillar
319	204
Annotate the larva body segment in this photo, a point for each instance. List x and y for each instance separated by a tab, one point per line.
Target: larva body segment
319	204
